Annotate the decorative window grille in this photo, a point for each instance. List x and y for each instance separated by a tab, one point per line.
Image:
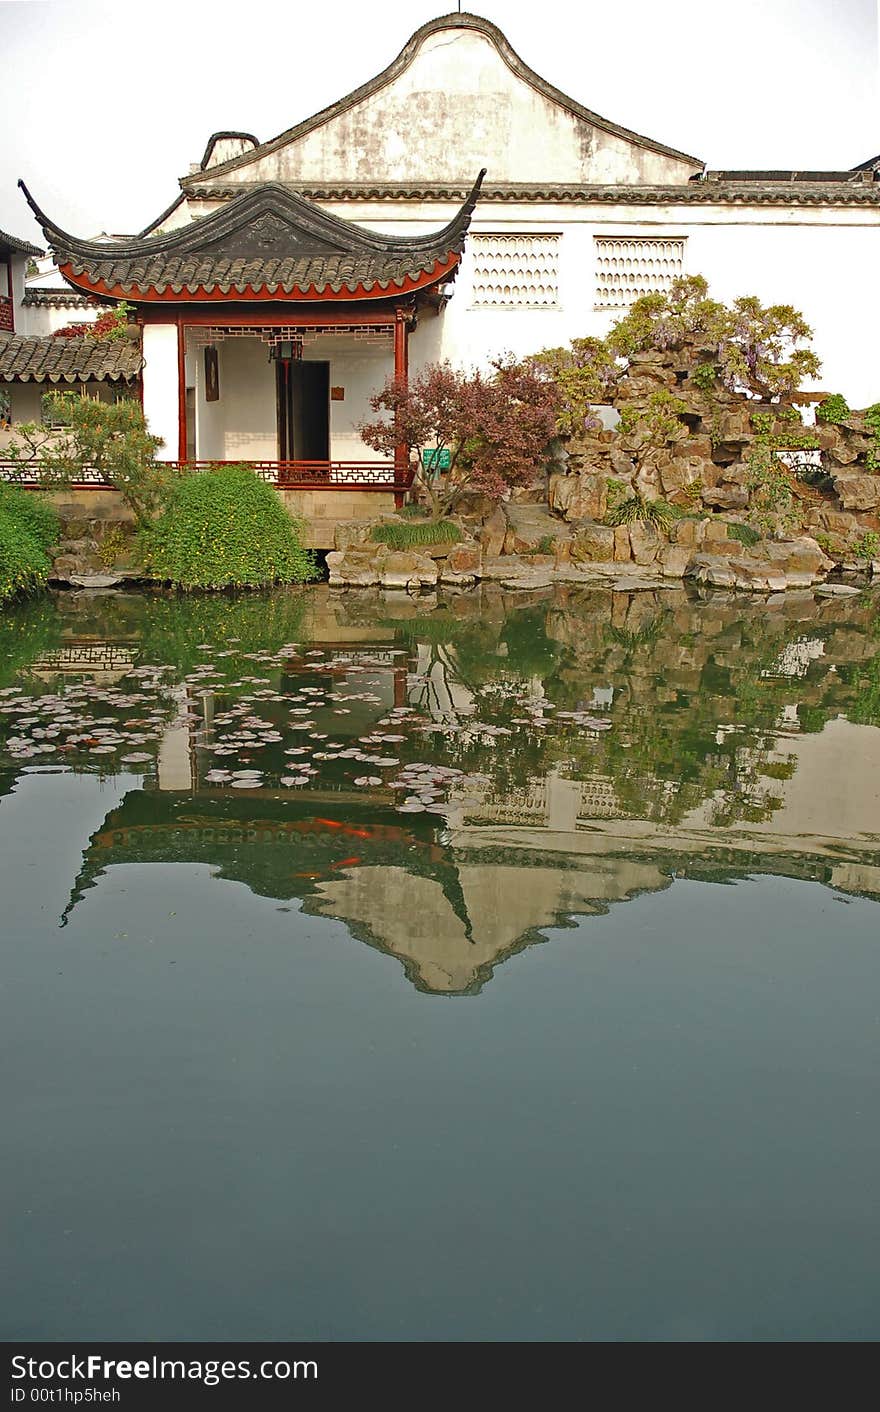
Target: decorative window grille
515	271
628	267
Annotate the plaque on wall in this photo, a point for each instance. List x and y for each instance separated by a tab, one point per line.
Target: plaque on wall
212	375
337	394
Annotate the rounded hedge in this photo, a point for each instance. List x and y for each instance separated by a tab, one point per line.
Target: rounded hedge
24	564
225	528
31	510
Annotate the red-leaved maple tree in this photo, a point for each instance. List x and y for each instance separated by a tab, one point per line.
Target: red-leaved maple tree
496	428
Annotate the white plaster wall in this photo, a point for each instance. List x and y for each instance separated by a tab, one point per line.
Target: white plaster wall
40	322
242	424
24	399
160	385
360	374
19	267
823	260
456	108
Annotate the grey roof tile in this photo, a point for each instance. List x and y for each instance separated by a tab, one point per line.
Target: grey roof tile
26	359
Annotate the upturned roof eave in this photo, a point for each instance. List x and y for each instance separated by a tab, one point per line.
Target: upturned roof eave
301	214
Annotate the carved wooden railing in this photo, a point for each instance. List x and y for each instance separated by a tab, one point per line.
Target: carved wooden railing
289	475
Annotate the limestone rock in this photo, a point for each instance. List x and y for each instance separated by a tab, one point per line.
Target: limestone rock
681	472
464	558
726	497
404	568
593	544
493	533
715	531
644	541
352	569
674	560
804	556
857	492
351	532
622	545
712	569
579	497
538	578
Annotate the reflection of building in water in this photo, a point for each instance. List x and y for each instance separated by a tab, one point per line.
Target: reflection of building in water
452	898
105	663
502	908
795	658
436	685
551	801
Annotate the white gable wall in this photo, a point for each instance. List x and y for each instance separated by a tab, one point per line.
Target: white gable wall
456	108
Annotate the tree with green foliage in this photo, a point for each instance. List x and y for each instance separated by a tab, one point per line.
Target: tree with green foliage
747	347
226	528
108	437
584	374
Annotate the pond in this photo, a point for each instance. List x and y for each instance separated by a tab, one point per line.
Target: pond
476	967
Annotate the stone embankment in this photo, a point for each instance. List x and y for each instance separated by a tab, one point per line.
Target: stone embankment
524	546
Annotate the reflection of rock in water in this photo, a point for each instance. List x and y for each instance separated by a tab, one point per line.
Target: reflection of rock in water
414	918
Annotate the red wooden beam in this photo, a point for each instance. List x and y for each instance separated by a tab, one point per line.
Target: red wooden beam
270	316
439	272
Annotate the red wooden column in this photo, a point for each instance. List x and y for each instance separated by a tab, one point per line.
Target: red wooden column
181	387
401	375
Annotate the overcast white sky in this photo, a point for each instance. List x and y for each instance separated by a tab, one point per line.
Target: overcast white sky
104	103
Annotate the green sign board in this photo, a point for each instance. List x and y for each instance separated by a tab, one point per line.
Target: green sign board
436	460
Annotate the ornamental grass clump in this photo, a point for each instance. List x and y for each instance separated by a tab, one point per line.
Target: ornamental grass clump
638	509
413	533
225	528
28	526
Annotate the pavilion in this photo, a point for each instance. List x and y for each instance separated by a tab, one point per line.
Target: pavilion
267	325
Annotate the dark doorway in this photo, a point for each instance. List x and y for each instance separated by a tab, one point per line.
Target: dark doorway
303	401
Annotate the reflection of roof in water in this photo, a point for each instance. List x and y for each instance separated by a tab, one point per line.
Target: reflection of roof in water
278	847
449	912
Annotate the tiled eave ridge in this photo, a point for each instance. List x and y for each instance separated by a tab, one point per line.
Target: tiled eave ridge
708	193
267	243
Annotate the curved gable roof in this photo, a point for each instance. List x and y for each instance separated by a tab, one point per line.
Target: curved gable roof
405	58
270	242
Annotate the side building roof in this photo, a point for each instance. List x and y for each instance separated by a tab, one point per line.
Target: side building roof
71	360
12	245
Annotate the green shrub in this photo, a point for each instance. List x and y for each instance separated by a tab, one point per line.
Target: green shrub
31	510
410	535
867	546
704	376
414	512
652	512
834	409
744	534
225	528
113	545
872	421
872	418
24	565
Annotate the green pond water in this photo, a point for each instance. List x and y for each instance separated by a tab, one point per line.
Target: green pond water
480	967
